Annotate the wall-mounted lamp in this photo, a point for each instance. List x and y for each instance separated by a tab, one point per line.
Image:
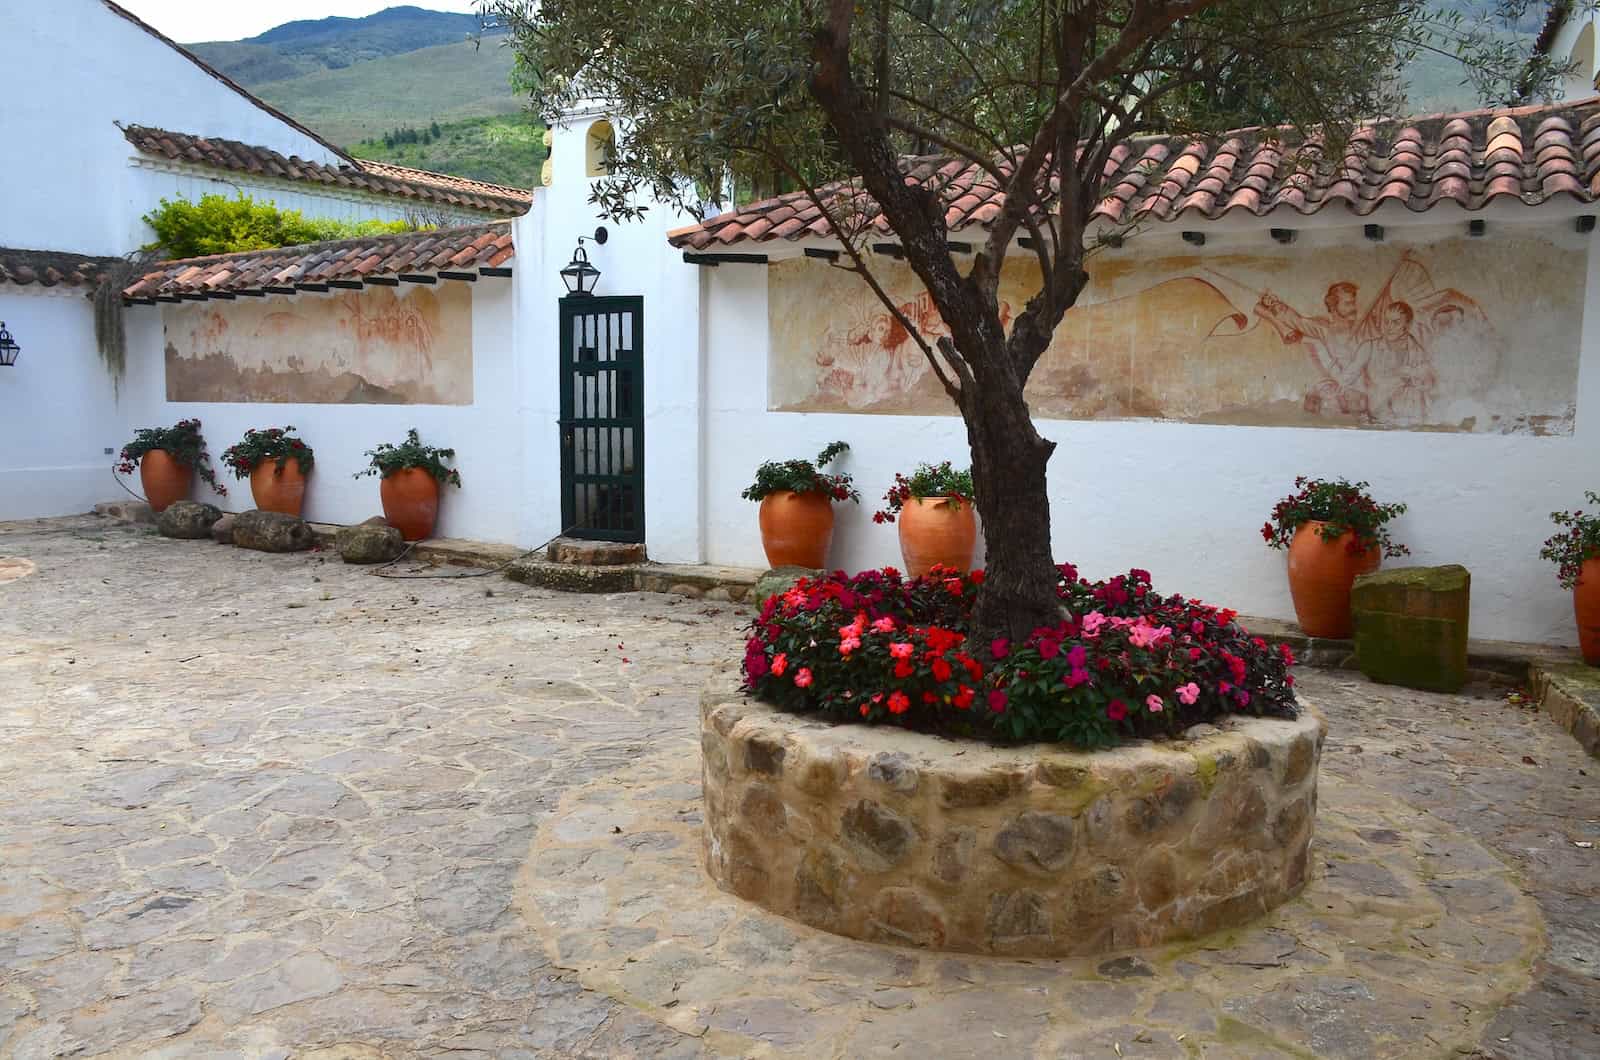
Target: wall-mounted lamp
580	276
8	347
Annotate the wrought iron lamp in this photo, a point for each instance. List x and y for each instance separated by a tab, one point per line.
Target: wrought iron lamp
8	347
579	275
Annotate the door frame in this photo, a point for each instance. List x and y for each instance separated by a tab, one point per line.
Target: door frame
571	309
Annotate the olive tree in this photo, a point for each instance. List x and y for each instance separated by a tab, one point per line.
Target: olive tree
829	97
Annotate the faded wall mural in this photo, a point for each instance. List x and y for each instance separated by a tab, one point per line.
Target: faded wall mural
1459	335
382	345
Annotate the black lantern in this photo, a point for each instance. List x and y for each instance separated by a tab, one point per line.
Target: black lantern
579	275
8	347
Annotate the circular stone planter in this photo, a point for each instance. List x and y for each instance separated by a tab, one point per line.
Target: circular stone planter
893	836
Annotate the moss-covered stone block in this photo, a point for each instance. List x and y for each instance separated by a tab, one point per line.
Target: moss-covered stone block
1411	626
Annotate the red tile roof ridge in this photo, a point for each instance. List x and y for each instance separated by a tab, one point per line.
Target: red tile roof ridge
305	250
1171	176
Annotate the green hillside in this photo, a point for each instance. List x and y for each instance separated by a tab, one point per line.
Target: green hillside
502	150
297	48
444	83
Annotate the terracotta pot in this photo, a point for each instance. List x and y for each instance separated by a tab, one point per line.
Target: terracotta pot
1586	605
410	502
937	531
278	489
164	479
796	528
1321	573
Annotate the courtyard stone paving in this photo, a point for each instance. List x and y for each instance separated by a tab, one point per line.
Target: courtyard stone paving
258	805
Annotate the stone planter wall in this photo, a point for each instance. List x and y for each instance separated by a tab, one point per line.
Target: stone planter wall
881	834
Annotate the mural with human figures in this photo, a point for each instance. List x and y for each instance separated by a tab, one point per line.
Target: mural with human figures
378	346
1462	334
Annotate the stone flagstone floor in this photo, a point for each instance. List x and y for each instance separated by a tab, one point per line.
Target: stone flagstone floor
260	806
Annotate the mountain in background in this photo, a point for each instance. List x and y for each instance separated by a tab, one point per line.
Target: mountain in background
370	83
357	81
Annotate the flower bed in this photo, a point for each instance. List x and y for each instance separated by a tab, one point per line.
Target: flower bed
1124	661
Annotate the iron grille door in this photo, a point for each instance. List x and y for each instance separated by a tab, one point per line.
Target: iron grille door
602	417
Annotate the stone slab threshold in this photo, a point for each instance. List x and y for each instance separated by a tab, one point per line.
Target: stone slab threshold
1563	687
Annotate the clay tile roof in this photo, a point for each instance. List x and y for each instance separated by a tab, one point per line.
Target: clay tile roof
47	268
453	249
379	178
1535	154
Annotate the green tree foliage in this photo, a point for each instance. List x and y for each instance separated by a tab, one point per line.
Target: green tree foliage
218	224
830	95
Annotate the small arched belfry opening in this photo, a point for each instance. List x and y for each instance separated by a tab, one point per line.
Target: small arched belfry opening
599	148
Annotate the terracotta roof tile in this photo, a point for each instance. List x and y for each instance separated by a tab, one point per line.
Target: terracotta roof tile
49	268
474	246
377	177
1534	153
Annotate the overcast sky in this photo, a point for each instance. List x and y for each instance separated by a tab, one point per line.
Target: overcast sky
189	21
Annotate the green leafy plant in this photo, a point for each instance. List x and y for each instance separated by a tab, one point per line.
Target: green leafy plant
1342	507
220	225
803	476
928	480
274	443
388	458
182	441
1577	542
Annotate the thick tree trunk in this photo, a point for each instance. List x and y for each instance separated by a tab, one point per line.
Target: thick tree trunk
1008	469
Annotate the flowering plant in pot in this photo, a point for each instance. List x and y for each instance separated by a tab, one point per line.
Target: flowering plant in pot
412	474
1575	550
934	508
167	459
796	512
1124	661
1334	531
276	463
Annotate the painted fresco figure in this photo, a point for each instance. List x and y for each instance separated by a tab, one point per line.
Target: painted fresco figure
1332	343
1399	367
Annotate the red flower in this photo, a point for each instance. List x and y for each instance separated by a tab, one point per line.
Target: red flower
898	703
997	701
1000	647
1116	710
780	663
802	677
903	669
941	669
963	698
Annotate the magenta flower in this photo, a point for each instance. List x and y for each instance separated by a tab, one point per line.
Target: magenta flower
997	701
1078	657
1116	710
1000	648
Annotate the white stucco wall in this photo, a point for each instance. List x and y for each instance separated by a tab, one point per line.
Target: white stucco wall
484	434
1185	501
84	68
58	409
635	259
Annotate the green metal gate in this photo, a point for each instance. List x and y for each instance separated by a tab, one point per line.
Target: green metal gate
602	417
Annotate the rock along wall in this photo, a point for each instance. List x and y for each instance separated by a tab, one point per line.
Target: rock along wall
882	834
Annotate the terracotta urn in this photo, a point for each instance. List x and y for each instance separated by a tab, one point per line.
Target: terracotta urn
164	479
279	489
937	531
1586	606
410	499
796	528
1321	574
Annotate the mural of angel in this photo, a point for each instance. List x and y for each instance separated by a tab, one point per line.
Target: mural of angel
1380	365
877	358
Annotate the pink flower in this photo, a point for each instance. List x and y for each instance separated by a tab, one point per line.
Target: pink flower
1144	635
802	677
848	645
1116	710
883	625
780	663
1092	623
1154	702
997	701
1187	694
901	650
999	648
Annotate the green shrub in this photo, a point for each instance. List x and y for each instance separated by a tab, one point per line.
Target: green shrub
220	225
